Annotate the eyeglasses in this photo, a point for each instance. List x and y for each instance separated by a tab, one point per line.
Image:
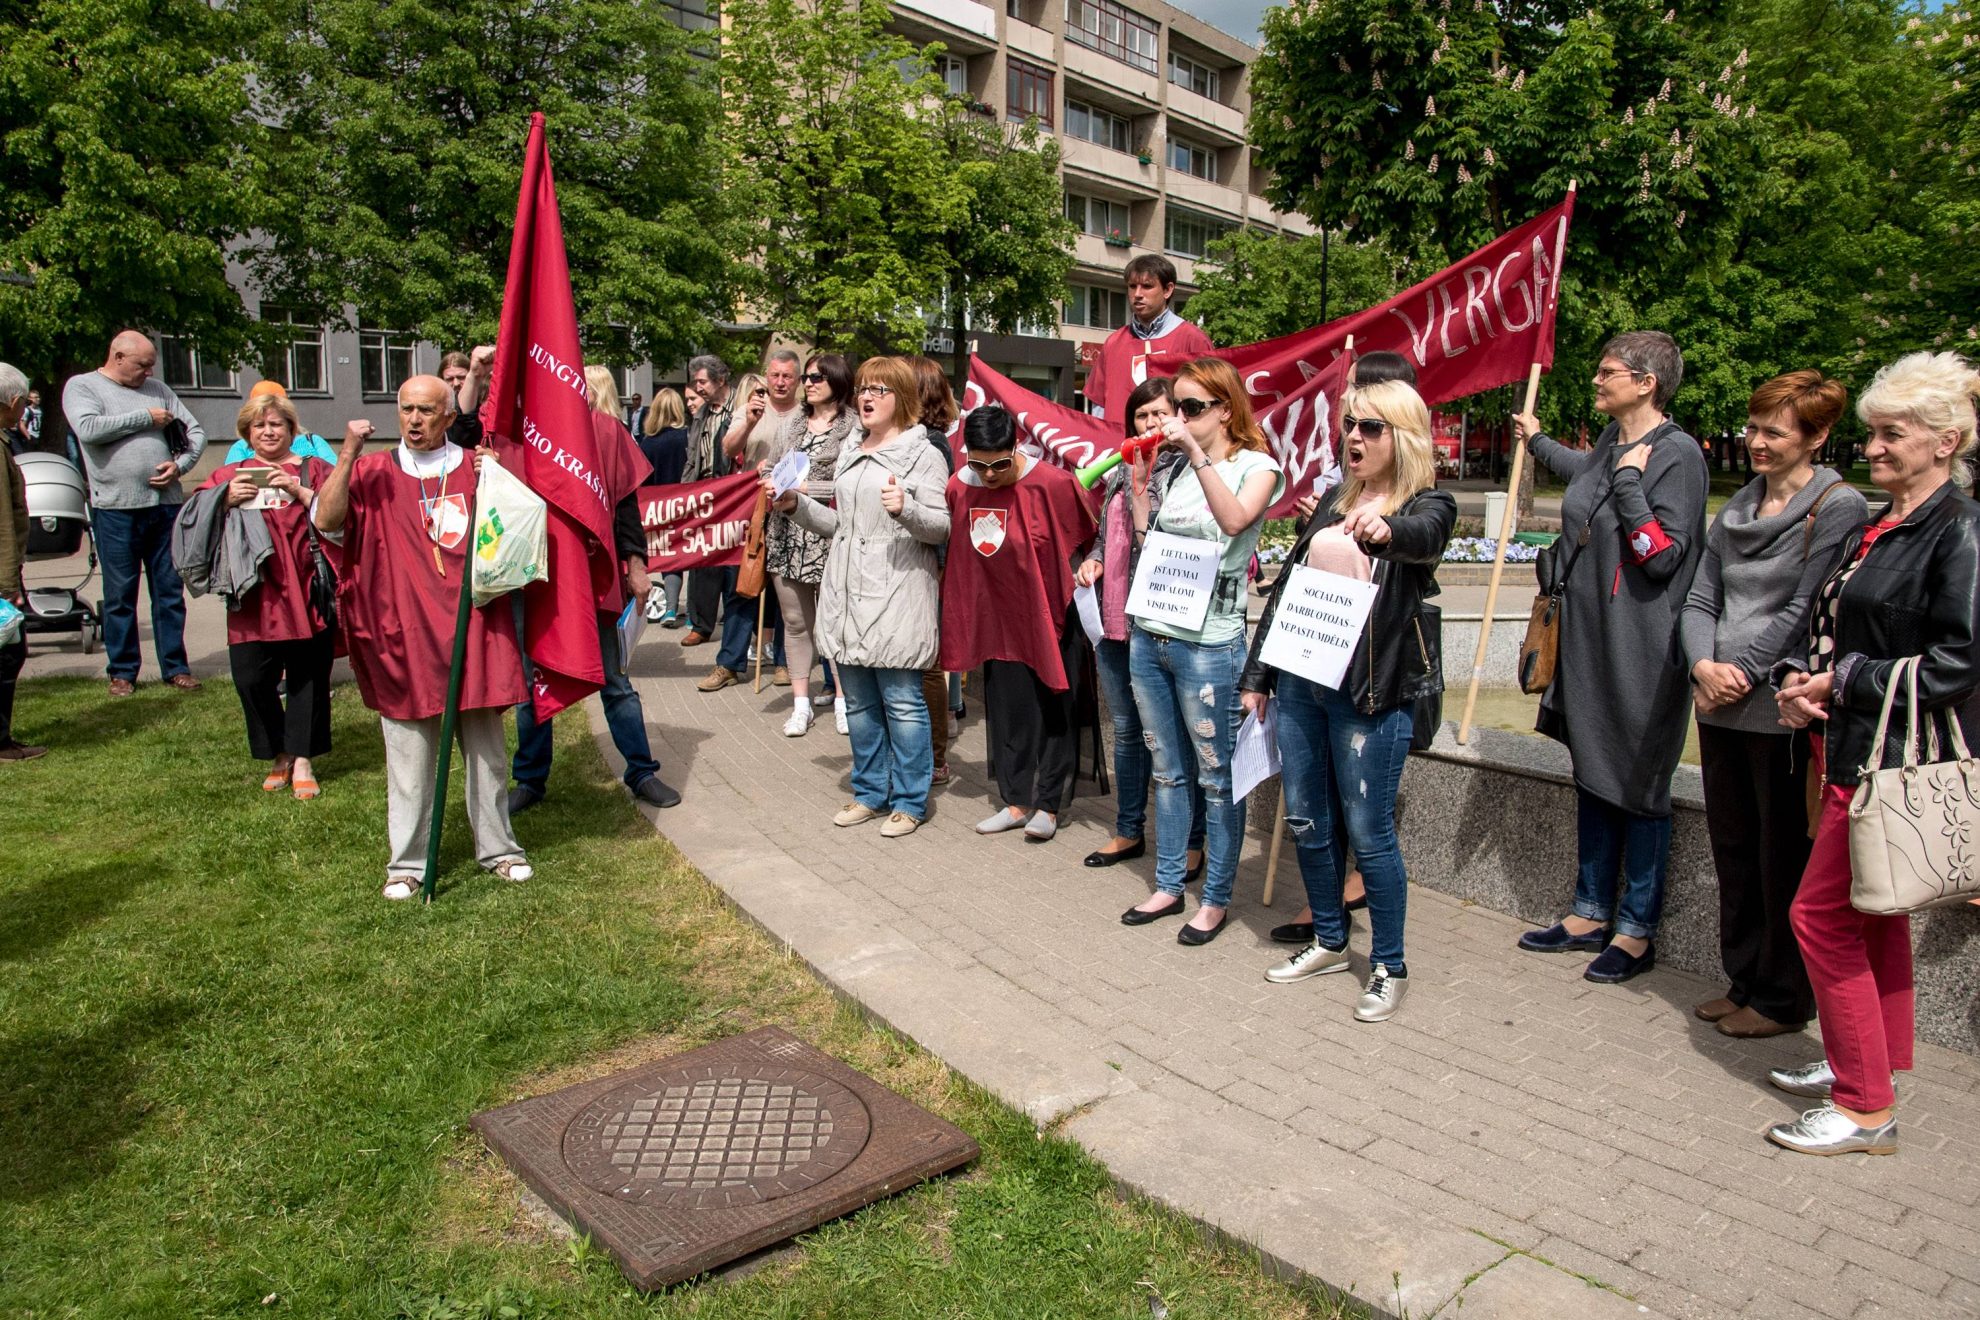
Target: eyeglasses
987	466
874	391
814	378
1602	374
1371	428
1193	408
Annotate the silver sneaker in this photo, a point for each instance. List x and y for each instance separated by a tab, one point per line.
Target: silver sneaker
1316	959
1829	1131
1384	995
1814	1080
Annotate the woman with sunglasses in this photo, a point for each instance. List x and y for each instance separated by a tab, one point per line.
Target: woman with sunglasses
878	600
1386	523
1632	531
1186	679
1018	527
1109	568
795	557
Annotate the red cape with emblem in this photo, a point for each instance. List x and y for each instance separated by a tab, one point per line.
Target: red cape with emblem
397	610
1125	359
1009	575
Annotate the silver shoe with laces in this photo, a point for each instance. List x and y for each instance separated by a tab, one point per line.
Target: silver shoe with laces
1382	997
1316	959
1828	1131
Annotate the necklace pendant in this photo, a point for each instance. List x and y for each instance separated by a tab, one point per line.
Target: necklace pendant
438	567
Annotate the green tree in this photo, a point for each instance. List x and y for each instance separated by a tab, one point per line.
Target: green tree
124	154
400	132
1253	286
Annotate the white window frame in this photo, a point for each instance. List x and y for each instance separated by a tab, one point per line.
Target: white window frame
200	377
1122	141
1211	227
953	70
1187	74
1191	154
301	335
388	345
1079	309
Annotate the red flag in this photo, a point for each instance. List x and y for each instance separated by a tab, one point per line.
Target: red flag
702	524
1479	323
541	422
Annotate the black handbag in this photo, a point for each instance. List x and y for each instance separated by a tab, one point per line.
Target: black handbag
178	440
1427	711
322	577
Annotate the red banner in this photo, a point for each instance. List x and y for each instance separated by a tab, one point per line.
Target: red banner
1472	326
540	414
701	524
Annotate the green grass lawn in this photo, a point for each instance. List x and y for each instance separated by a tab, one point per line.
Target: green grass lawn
234	1081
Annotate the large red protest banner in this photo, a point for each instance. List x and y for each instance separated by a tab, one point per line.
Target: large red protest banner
1477	324
701	524
541	423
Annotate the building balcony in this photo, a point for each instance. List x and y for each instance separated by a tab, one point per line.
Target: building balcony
962	15
1093	252
1034	43
1203	112
1119	168
1202	195
1113	75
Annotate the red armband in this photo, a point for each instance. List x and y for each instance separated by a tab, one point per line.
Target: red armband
1649	541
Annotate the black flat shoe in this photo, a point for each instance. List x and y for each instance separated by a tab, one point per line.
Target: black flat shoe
1555	939
1195	873
1136	917
1293	932
1195	935
1097	858
1613	966
1358	904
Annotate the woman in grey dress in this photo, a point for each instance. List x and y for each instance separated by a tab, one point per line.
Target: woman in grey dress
1632	529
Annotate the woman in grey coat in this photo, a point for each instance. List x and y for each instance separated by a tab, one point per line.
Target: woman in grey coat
1766	554
1632	529
879	603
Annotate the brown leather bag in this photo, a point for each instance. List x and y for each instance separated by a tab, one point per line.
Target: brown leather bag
749	577
1541	647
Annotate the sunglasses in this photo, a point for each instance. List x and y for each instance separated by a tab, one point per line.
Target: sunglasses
814	378
1193	408
1371	428
987	466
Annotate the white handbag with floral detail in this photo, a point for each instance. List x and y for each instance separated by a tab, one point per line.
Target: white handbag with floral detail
1914	829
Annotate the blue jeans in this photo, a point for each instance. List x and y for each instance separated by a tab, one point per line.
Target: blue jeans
892	745
1131	757
624	716
1325	742
1611	841
739	623
1188	699
129	541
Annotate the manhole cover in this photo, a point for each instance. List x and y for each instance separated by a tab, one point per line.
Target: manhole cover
691	1162
716	1137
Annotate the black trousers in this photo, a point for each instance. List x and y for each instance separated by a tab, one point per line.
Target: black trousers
705	589
1756	808
11	660
303	729
1033	732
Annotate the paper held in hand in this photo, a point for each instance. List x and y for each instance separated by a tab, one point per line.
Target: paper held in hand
1175	579
790	470
1317	624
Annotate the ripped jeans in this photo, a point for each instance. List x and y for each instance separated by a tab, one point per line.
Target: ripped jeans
1324	739
1188	699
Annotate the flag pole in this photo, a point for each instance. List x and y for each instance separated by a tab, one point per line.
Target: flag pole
448	717
1498	563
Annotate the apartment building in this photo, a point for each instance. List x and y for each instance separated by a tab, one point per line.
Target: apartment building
1148	105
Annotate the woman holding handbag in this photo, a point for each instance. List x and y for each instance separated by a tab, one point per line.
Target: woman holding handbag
1633	527
1767	552
1904	585
1388	524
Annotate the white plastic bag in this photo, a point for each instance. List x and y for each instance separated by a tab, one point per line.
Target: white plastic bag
511	536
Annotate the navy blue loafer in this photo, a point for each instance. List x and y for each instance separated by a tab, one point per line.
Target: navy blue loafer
1613	966
1555	939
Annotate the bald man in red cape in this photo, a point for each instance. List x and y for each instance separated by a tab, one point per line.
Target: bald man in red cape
405	517
1018	527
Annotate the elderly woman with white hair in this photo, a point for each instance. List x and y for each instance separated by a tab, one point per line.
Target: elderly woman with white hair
1903	585
13	552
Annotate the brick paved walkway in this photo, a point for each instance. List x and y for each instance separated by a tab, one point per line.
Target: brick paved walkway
1510	1107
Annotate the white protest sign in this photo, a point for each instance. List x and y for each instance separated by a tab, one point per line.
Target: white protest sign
790	470
1317	624
1175	579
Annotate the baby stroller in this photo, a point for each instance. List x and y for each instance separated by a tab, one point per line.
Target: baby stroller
58	525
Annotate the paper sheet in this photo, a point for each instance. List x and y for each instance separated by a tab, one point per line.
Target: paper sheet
790	470
1255	759
1175	579
632	625
1088	602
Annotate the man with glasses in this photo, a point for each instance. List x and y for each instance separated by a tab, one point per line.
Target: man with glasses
708	385
1153	331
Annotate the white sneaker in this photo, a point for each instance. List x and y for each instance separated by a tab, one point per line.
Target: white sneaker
839	717
1316	959
798	724
1383	996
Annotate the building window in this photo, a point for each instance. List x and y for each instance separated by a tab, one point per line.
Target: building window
1090	305
1190	234
1198	78
1100	217
1096	125
1192	159
1114	30
954	73
385	361
301	366
1030	93
182	366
